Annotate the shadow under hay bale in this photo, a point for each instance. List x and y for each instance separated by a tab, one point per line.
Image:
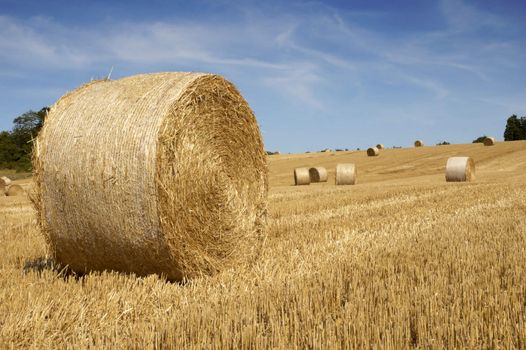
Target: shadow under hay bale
152	174
318	174
42	264
345	174
301	176
460	169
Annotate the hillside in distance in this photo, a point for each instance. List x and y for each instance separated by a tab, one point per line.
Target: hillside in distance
407	165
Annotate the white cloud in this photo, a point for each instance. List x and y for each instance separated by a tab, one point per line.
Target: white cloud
295	54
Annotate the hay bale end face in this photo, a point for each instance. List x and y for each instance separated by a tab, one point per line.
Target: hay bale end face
380	146
419	143
301	176
489	141
460	169
318	174
157	173
373	152
345	174
5	181
15	190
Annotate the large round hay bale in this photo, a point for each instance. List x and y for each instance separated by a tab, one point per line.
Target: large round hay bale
459	169
380	146
373	152
156	173
345	174
4	180
318	174
419	143
489	141
3	190
301	176
15	190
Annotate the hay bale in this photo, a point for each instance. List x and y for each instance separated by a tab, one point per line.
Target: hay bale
301	176
489	141
373	152
15	190
419	143
4	180
318	174
460	169
156	173
345	174
3	189
380	146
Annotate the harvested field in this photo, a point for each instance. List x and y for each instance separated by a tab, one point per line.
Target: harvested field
400	260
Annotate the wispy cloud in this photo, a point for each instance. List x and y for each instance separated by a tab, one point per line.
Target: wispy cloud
307	57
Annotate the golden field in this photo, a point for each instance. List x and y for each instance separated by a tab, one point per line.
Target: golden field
400	260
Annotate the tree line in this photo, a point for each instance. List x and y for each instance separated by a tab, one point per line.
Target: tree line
16	145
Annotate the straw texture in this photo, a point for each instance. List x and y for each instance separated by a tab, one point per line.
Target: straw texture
489	141
4	180
157	173
419	143
380	146
3	189
345	174
373	152
318	174
14	190
459	169
301	176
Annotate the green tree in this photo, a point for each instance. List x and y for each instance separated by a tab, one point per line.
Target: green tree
515	128
16	146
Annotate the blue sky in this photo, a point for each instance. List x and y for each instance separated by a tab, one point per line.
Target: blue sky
317	73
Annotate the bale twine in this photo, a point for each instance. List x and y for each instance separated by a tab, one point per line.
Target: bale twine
345	174
419	143
156	173
460	169
489	141
4	180
301	176
15	190
318	174
380	146
373	152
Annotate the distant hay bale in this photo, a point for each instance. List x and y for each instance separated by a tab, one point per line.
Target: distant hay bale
380	146
459	169
318	174
15	190
373	152
4	180
301	176
345	174
419	143
489	141
157	173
